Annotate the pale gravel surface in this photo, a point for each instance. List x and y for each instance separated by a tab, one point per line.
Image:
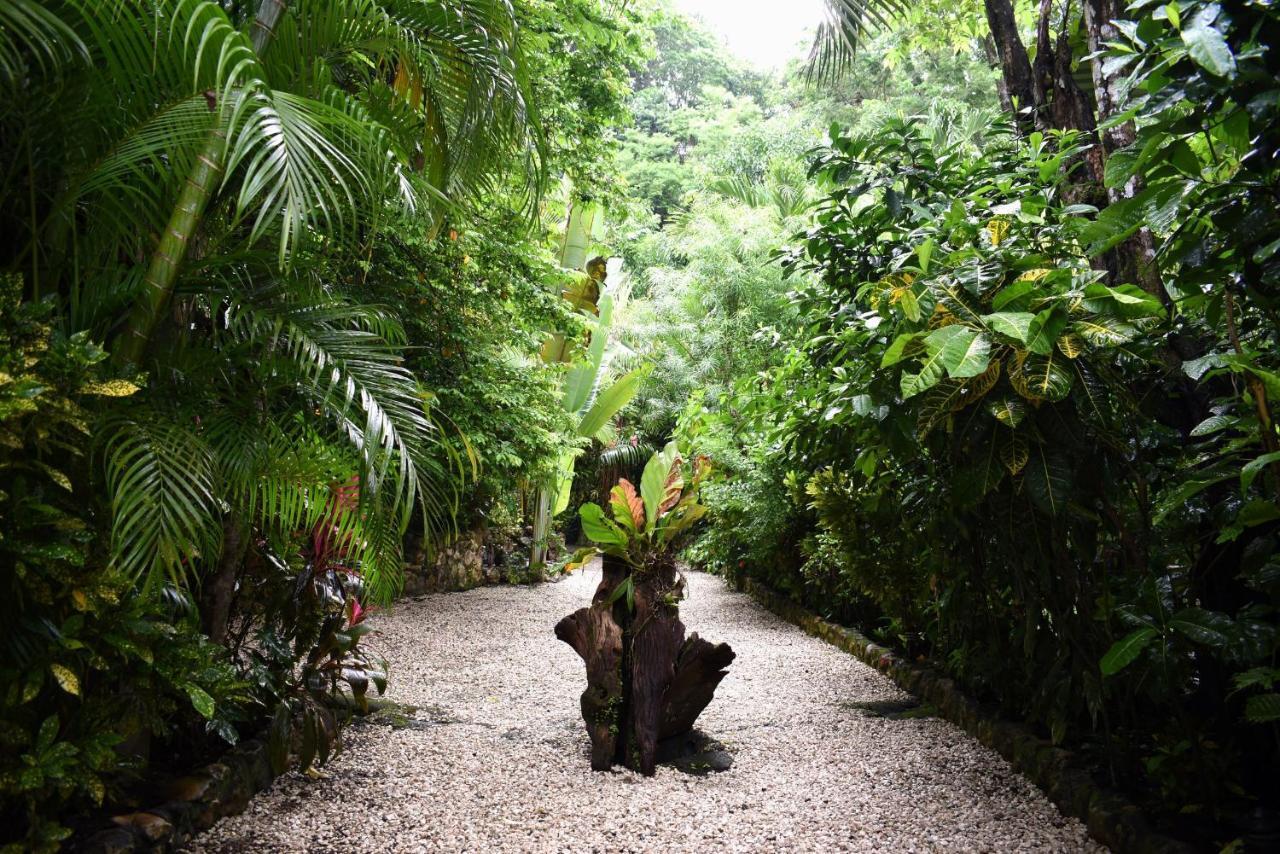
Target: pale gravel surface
507	770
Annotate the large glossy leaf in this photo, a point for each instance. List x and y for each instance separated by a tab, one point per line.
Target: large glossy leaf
965	352
584	374
1251	469
1207	46
1124	651
1048	480
610	401
1011	324
598	528
1044	329
1128	301
1047	377
1105	331
903	346
949	343
1009	411
653	482
1209	628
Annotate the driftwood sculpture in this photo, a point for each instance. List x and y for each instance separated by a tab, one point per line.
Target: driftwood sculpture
646	681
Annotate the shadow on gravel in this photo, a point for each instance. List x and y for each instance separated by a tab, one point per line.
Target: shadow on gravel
695	753
892	709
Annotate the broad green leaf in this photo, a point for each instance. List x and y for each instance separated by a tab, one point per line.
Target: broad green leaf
1197	368
1116	222
1203	626
653	482
966	355
1012	324
923	253
1208	48
1178	497
1044	329
600	529
1269	380
898	349
1251	469
1124	651
584	374
610	402
1018	292
201	701
1128	301
562	482
929	375
1213	424
1121	166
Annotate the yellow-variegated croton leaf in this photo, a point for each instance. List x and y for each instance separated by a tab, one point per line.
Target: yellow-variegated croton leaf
998	230
1014	453
1009	411
1019	382
1034	275
976	388
1072	346
67	680
1047	377
895	290
941	317
953	395
112	388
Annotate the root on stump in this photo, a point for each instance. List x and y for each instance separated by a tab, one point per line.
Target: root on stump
646	682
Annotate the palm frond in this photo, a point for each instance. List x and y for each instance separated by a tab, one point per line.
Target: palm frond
848	23
31	34
357	379
161	480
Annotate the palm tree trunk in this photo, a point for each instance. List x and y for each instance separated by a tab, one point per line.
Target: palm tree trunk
162	272
188	212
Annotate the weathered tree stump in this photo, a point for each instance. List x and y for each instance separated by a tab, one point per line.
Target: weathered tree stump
646	682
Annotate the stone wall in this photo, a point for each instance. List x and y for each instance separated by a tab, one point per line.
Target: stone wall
465	563
189	805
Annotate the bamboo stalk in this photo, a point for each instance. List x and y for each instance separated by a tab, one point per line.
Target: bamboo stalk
188	212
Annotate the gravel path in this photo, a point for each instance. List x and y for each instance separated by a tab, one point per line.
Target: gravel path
503	764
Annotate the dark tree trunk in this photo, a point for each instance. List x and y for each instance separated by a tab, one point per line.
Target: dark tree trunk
1048	97
646	682
1135	259
221	588
1015	66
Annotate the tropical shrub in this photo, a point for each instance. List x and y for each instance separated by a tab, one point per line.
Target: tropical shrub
1001	447
94	675
647	524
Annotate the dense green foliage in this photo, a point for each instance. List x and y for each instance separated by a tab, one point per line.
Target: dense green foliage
983	439
979	338
276	277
